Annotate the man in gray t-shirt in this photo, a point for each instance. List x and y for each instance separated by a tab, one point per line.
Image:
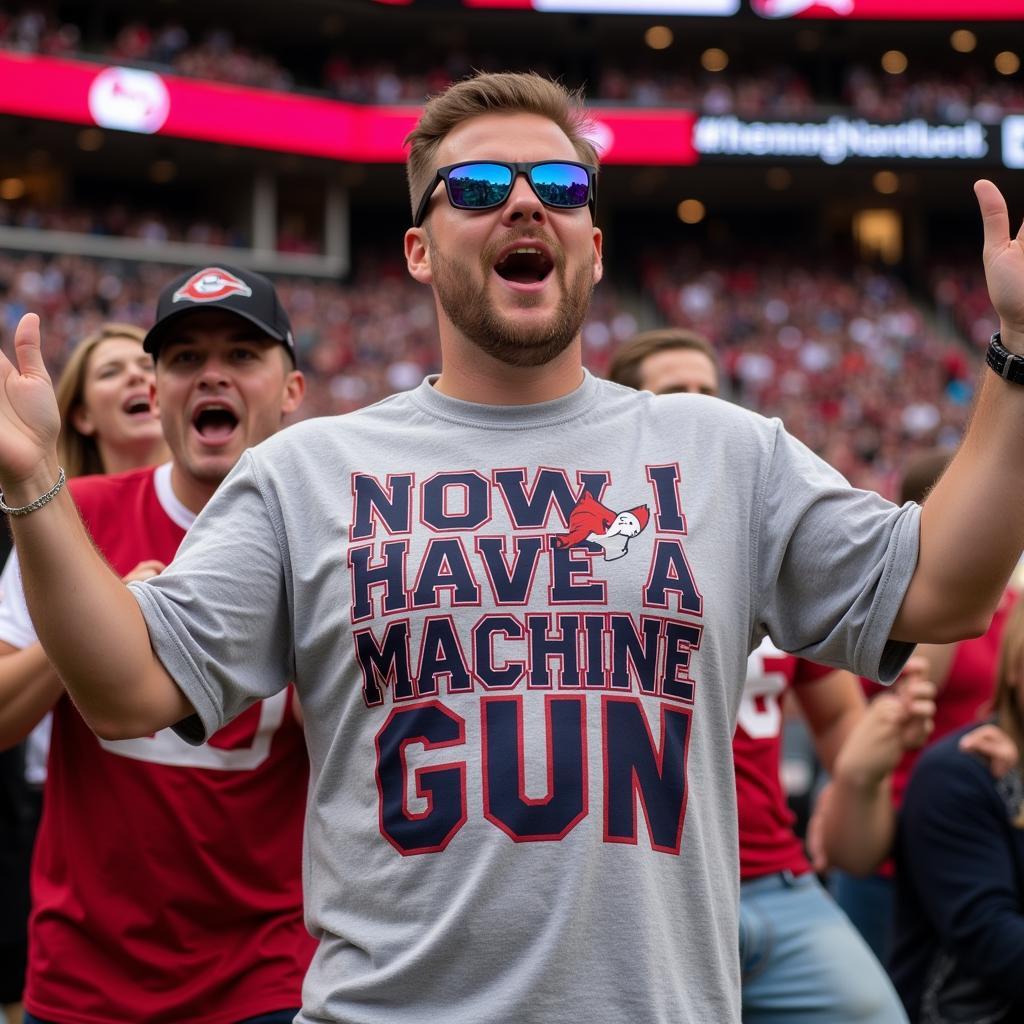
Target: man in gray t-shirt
517	604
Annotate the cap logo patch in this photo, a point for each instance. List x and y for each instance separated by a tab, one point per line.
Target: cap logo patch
210	285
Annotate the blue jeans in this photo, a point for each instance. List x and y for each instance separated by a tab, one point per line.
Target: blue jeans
802	961
868	903
277	1017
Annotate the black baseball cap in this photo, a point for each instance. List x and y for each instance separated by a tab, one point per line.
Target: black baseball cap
244	292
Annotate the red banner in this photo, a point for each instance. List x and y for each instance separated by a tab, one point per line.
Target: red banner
129	99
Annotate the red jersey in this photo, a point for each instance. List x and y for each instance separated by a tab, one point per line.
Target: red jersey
767	841
167	878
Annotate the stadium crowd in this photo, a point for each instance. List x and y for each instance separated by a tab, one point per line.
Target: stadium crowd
844	356
119	220
950	98
959	296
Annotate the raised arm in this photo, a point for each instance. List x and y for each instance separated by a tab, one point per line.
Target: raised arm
971	530
855	822
29	684
832	707
89	624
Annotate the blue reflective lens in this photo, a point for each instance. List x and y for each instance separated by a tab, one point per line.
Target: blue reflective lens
478	186
559	184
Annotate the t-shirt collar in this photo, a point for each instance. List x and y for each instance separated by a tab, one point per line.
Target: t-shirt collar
506	417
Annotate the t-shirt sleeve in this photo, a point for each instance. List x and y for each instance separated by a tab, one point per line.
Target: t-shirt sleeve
218	616
833	564
16	626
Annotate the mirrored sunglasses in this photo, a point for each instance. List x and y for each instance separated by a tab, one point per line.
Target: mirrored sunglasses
484	184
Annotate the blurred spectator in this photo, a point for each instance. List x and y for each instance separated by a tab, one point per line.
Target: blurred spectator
965	676
119	220
219	57
947	97
828	350
959	944
776	91
667	362
962	301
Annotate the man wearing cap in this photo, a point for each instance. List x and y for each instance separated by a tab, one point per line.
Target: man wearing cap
167	878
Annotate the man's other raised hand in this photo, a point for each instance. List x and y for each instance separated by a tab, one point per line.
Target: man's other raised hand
29	418
1004	263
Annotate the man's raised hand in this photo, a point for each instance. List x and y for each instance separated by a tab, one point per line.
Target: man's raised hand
29	418
1004	264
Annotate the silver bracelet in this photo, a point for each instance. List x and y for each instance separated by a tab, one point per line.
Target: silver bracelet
32	506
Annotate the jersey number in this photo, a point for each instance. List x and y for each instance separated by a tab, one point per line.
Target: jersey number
760	713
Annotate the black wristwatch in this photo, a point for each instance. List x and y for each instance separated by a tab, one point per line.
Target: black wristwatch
1003	361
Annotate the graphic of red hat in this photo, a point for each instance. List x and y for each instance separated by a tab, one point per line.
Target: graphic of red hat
594	523
211	284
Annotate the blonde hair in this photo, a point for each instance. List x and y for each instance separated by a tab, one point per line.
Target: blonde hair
79	453
504	92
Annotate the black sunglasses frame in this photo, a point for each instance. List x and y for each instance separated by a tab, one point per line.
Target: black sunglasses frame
526	169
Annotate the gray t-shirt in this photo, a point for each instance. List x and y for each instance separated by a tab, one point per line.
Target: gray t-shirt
519	635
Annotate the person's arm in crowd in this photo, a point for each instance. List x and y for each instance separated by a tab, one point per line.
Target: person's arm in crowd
29	687
971	534
995	746
855	821
938	659
956	852
831	706
88	622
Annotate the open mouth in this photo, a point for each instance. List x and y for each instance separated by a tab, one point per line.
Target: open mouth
525	265
215	424
137	405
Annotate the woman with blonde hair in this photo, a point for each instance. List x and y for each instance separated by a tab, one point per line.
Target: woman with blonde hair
108	425
107	421
959	943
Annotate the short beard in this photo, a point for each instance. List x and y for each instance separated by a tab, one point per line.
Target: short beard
471	311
